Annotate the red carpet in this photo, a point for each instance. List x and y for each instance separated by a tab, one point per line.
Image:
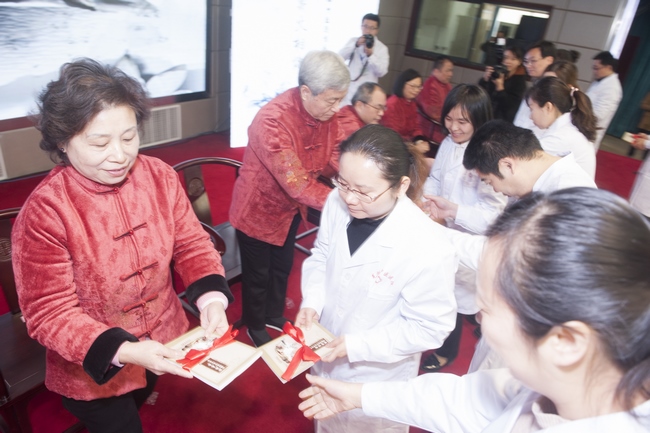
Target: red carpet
256	401
616	173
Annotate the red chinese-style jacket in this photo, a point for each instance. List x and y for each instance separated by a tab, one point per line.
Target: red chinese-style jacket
92	271
287	150
349	120
431	99
402	116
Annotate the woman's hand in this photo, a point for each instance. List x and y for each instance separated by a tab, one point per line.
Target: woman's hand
487	75
499	82
214	320
305	317
441	208
151	355
339	349
327	397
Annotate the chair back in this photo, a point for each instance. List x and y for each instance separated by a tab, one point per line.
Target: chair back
6	270
22	359
193	176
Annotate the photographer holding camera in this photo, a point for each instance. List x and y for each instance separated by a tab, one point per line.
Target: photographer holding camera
506	83
366	55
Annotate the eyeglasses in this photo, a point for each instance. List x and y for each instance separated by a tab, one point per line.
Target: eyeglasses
376	107
415	86
531	61
363	197
367	27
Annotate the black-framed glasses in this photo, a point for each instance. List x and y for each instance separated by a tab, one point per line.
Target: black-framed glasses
363	197
376	107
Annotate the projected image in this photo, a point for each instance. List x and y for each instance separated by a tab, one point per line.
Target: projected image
162	43
269	39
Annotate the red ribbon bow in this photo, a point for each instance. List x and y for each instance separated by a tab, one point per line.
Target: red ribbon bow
194	356
305	353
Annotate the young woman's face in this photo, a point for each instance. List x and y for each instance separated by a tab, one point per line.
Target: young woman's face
542	116
499	325
412	88
357	173
106	150
510	61
458	124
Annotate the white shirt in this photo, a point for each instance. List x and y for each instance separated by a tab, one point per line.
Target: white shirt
522	118
605	96
392	299
478	206
376	65
478	203
640	197
563	137
562	174
488	401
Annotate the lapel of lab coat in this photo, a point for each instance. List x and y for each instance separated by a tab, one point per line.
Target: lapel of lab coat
383	239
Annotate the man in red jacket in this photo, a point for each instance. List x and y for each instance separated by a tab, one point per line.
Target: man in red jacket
293	139
433	95
368	107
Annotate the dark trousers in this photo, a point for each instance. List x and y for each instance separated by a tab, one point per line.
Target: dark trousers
265	273
449	348
113	414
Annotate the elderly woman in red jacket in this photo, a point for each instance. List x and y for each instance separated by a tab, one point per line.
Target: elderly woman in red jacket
402	111
92	248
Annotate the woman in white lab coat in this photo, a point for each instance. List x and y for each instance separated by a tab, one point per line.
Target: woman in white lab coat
564	293
566	121
459	199
381	274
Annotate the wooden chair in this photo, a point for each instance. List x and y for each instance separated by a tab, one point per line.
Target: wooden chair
22	359
223	233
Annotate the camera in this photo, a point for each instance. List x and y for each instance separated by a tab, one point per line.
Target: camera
498	71
370	40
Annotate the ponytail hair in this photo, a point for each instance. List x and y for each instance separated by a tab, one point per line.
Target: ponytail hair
566	99
394	158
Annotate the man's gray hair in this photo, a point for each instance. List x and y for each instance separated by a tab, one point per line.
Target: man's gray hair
364	92
323	70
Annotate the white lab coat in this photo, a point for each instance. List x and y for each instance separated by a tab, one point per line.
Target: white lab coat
376	65
478	203
392	299
563	137
523	120
605	96
640	197
486	401
562	174
478	207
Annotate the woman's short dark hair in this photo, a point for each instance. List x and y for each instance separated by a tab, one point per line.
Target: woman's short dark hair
387	150
473	100
402	79
516	51
580	254
85	87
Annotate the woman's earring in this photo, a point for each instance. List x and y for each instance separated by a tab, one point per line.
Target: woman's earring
62	149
